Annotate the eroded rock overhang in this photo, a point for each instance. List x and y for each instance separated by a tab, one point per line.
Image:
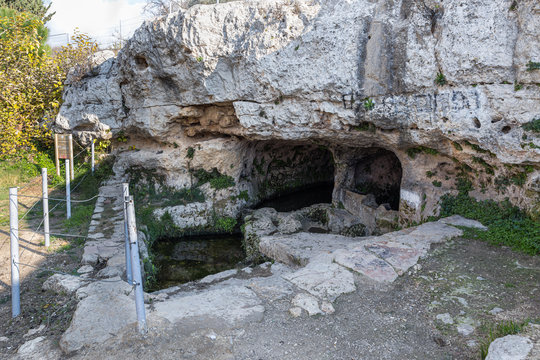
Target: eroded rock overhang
444	91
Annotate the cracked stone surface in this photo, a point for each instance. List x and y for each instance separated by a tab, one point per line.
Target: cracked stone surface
231	305
366	263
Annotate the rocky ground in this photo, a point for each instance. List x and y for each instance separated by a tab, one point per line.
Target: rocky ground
417	293
462	280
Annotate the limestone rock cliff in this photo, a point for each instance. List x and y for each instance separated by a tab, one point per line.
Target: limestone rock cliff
412	94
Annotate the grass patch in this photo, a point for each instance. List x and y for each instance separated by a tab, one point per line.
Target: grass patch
81	216
507	224
499	330
27	168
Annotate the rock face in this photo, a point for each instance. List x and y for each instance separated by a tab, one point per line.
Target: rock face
281	94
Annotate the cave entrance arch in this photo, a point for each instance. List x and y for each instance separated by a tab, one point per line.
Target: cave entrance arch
377	174
289	175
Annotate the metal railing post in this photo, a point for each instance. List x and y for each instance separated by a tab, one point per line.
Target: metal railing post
92	156
14	236
45	191
70	149
136	266
68	190
125	194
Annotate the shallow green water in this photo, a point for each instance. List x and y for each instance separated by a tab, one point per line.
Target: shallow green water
190	258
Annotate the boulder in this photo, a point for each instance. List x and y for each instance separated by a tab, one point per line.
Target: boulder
510	347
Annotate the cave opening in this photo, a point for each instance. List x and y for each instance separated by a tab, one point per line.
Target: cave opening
377	174
288	176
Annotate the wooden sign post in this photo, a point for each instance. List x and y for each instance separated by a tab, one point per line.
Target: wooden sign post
63	149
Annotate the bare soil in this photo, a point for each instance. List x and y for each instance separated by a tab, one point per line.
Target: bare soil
37	306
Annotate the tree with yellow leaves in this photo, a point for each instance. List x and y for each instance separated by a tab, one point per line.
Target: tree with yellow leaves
31	82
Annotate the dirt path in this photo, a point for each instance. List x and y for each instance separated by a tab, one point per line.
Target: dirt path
31	251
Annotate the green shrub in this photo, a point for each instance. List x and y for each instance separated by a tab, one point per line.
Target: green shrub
243	195
365	126
190	153
215	178
222	182
489	168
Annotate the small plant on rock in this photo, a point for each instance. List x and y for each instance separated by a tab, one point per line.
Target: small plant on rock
533	126
457	146
190	153
440	79
368	104
532	65
514	5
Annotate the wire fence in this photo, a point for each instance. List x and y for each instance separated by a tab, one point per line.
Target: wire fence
38	199
133	268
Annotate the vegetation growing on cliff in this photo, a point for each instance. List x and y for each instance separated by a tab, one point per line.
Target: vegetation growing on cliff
533	126
217	180
412	152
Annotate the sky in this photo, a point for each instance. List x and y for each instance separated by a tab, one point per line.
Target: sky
100	19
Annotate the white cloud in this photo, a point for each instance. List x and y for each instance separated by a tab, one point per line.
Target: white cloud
98	18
